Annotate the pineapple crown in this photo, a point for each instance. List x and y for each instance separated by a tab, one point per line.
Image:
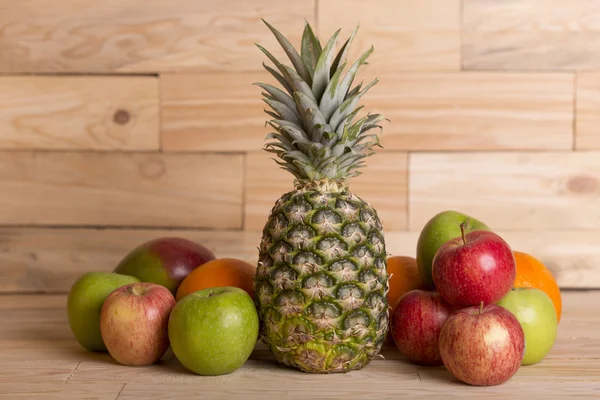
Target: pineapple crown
316	136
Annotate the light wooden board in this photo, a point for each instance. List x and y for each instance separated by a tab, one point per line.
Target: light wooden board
474	111
517	191
79	112
426	111
587	105
382	184
407	34
144	36
573	373
218	112
50	260
121	189
530	35
46	391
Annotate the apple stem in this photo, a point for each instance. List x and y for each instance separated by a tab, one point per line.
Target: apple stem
462	232
135	290
481	308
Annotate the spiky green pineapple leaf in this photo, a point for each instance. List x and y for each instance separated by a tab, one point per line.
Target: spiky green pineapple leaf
283	110
279	78
341	56
321	75
326	106
291	53
348	106
310	49
279	95
335	94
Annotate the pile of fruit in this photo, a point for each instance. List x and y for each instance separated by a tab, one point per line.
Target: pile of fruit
321	292
168	292
471	303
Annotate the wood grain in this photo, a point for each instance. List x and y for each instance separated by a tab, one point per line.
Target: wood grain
517	191
84	112
121	189
54	391
50	260
149	36
383	184
530	35
25	372
213	112
587	104
408	35
474	111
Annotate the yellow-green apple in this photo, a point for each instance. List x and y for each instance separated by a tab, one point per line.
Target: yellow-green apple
416	322
134	323
165	261
437	231
482	346
84	304
474	267
213	331
535	311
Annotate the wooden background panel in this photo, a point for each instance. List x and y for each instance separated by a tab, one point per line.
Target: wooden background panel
79	112
51	259
407	34
547	35
587	111
427	111
383	184
123	189
541	190
148	36
475	111
213	112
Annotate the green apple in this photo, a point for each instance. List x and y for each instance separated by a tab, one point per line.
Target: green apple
437	231
213	331
84	304
535	312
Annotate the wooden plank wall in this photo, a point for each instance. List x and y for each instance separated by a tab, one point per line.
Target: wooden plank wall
124	121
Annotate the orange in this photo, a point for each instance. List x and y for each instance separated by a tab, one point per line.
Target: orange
404	277
218	272
531	273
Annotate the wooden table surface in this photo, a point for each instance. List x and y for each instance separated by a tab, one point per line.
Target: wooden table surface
40	359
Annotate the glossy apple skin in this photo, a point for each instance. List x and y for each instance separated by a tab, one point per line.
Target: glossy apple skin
537	315
213	331
134	323
438	230
480	267
84	305
482	347
416	322
165	261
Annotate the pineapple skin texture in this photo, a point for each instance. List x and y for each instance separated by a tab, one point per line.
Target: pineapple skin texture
321	282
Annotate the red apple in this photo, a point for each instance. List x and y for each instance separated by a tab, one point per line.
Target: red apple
416	322
483	345
134	323
477	266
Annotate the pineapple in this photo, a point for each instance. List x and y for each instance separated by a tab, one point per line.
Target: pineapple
321	281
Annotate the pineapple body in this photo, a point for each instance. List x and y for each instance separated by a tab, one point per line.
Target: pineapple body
321	282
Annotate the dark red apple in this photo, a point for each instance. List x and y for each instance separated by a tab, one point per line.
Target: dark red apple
477	266
416	322
134	323
482	346
165	261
